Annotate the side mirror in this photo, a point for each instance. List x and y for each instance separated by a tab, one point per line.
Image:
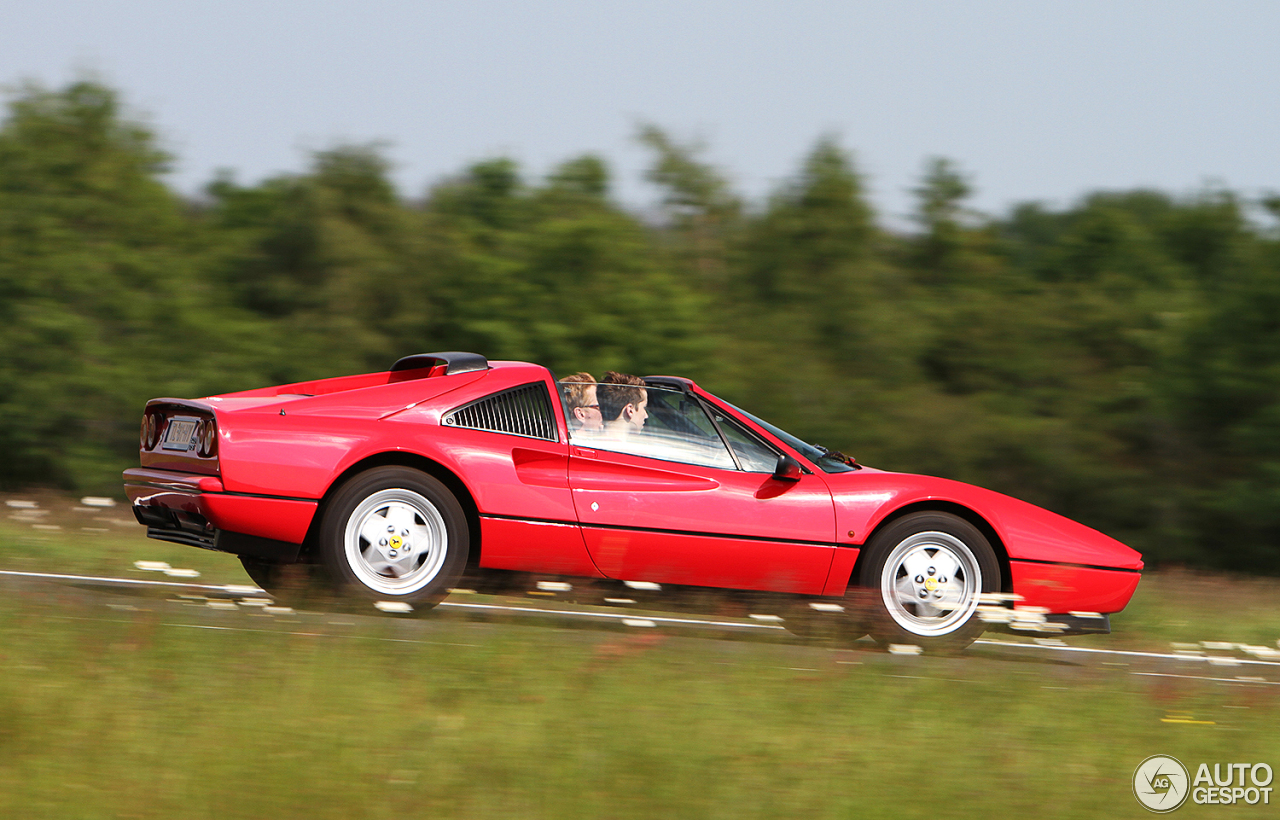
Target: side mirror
788	469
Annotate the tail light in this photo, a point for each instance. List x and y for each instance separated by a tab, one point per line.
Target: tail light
150	431
207	438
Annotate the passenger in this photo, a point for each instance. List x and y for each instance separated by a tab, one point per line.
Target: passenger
623	403
581	406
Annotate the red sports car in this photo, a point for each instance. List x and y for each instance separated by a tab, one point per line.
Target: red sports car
393	485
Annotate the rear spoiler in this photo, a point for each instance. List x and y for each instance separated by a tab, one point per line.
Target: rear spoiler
452	361
185	404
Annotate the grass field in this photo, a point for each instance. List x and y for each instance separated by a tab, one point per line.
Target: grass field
120	707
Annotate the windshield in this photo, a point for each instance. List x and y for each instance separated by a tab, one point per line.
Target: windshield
828	460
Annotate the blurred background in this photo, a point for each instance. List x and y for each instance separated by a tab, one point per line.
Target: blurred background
1036	249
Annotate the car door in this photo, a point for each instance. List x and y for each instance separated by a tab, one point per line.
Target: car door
668	502
510	447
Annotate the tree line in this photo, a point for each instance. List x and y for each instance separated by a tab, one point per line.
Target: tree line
1117	361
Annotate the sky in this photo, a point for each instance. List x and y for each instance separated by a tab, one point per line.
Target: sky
1033	100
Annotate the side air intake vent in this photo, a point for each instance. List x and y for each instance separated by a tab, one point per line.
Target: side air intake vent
520	411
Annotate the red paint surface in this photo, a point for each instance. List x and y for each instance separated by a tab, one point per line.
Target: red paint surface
732	563
841	574
281	519
534	546
1061	588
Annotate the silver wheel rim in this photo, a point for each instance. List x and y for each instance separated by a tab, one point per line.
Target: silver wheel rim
395	542
930	584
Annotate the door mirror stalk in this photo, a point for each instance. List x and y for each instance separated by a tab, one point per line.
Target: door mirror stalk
788	469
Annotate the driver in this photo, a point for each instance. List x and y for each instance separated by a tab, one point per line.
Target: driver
623	403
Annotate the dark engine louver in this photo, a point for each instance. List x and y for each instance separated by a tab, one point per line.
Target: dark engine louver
520	411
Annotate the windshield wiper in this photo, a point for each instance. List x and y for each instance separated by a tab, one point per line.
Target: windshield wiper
836	455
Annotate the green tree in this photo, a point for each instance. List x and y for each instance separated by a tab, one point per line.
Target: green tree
556	274
1224	396
939	253
103	303
324	257
703	214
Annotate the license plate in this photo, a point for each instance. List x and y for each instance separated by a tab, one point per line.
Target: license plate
178	434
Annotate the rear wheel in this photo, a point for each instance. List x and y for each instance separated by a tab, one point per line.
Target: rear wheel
289	584
394	533
928	571
262	573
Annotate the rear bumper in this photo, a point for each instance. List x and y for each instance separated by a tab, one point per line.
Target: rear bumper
195	510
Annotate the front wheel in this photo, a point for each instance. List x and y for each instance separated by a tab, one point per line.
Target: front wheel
394	533
927	572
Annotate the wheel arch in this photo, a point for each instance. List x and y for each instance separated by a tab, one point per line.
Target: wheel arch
413	461
959	511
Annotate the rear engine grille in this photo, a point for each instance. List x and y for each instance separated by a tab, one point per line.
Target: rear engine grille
520	411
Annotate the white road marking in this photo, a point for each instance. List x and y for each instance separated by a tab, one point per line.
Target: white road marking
616	616
926	677
318	635
1126	652
245	590
233	589
1202	677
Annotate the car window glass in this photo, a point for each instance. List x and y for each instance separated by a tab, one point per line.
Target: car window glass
827	461
753	455
668	425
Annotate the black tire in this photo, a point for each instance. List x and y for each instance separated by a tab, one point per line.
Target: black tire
829	623
394	534
260	572
289	584
922	579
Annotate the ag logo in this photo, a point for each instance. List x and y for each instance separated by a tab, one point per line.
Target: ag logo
1161	783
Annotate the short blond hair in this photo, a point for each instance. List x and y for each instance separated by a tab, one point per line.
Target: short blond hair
575	389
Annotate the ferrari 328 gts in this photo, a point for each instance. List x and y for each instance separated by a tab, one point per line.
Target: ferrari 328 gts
393	486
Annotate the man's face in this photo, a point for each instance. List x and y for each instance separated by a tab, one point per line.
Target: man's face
589	415
635	414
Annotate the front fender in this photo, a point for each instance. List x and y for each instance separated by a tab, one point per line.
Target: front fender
1029	533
